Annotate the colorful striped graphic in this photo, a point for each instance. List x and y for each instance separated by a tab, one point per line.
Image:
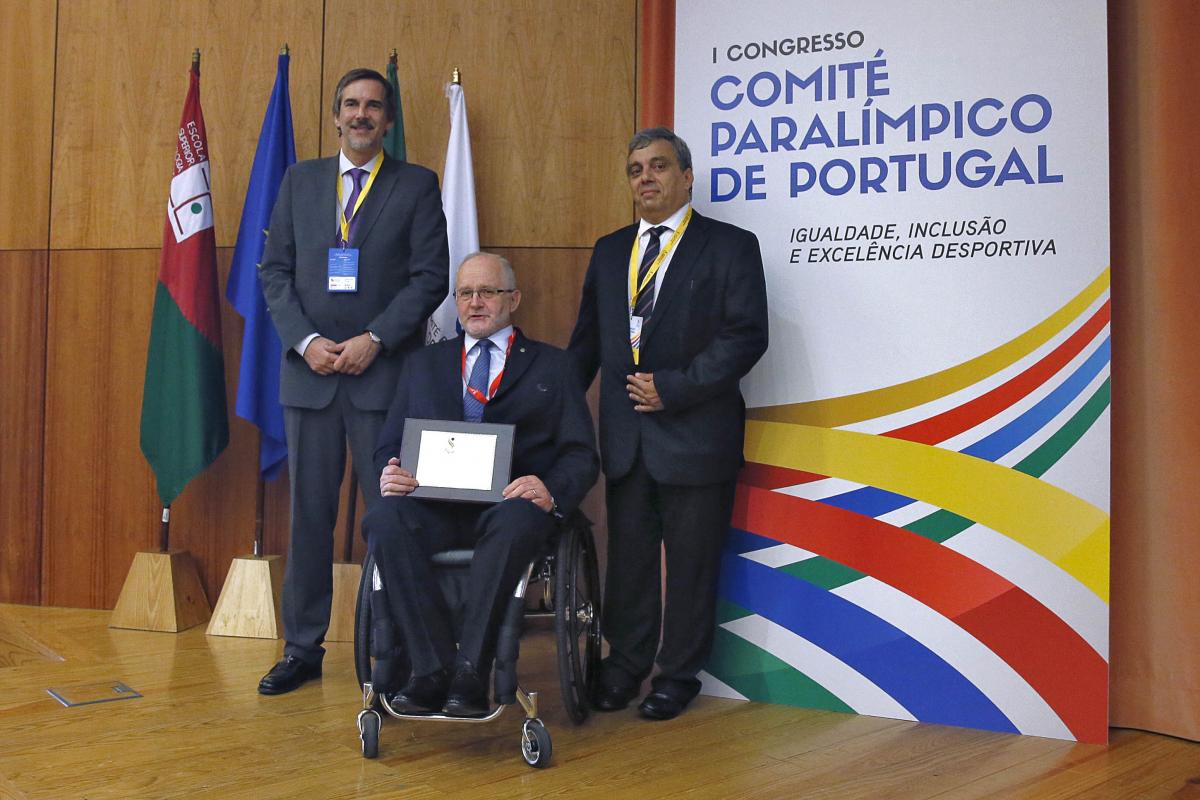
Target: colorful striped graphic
924	551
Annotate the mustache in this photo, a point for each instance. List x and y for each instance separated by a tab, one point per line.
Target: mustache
364	124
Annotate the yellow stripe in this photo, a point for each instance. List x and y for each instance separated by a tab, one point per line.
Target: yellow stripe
1064	529
851	408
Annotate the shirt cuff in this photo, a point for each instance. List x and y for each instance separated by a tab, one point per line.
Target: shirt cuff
300	348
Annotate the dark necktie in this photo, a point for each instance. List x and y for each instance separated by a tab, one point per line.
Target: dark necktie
472	408
358	175
644	305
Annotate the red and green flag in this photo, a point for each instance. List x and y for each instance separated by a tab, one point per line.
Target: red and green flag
184	421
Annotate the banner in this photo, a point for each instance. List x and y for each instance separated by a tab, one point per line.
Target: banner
921	531
258	380
458	201
184	421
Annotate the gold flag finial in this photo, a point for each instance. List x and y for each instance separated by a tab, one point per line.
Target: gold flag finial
456	76
196	56
394	53
283	51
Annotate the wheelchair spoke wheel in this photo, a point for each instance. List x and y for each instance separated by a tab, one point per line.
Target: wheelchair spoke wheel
362	624
577	619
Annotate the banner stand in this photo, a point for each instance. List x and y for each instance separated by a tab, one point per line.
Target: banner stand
249	604
162	592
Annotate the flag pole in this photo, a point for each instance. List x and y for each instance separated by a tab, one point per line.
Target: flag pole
260	501
164	530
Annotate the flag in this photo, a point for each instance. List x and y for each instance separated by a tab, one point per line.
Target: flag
458	201
258	380
393	140
184	421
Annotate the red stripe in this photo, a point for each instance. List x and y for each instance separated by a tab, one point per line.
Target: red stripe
765	476
953	422
1044	650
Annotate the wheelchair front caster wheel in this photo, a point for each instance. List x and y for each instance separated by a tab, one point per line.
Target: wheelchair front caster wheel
535	744
368	732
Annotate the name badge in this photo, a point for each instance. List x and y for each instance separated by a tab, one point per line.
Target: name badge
343	269
635	331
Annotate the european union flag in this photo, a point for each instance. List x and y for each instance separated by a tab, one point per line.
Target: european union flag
258	382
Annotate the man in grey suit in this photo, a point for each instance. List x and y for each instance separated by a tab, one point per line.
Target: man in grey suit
354	263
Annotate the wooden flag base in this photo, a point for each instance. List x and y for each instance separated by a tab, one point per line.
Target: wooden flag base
346	578
249	603
162	592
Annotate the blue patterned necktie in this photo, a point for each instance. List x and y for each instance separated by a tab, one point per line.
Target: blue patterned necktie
644	305
472	408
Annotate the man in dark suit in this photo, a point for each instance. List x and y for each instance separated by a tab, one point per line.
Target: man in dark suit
354	263
491	373
673	314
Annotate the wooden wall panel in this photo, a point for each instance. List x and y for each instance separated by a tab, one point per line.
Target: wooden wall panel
550	280
121	81
22	328
27	95
99	505
549	87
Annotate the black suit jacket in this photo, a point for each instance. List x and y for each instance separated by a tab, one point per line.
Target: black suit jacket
538	394
403	275
708	328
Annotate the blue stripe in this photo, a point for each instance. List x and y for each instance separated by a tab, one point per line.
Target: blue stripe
995	445
916	677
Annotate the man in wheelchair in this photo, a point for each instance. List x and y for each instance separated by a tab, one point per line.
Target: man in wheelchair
490	373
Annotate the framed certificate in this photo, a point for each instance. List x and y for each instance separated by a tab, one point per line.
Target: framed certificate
463	461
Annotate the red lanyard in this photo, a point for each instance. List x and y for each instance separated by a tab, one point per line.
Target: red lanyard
478	395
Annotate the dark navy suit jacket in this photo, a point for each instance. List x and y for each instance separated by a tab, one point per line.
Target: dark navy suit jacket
708	328
539	394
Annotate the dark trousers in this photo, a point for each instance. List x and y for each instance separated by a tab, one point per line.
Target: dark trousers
690	523
403	533
316	463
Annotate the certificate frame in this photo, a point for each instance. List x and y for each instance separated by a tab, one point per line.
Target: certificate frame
416	430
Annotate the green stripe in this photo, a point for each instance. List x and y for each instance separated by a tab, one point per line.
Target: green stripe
823	572
1054	448
184	421
759	675
727	611
941	525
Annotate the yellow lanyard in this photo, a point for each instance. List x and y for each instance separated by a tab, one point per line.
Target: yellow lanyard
342	220
634	288
635	331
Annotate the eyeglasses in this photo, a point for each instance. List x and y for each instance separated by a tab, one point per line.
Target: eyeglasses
484	292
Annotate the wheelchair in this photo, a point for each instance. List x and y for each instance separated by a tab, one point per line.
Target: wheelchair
570	591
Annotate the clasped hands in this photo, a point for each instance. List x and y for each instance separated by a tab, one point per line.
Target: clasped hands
642	392
351	357
396	481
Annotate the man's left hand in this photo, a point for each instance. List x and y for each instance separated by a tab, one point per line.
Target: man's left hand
642	392
357	354
532	489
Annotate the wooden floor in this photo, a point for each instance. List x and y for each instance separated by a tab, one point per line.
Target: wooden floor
201	730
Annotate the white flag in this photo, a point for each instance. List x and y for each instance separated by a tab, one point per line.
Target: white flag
458	201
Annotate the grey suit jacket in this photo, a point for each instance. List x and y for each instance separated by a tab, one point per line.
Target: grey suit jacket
403	275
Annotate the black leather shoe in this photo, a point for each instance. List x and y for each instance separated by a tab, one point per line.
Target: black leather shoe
423	692
468	696
659	705
613	698
290	673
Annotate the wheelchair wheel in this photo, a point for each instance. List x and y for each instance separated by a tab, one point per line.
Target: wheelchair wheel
362	623
577	619
368	732
536	748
